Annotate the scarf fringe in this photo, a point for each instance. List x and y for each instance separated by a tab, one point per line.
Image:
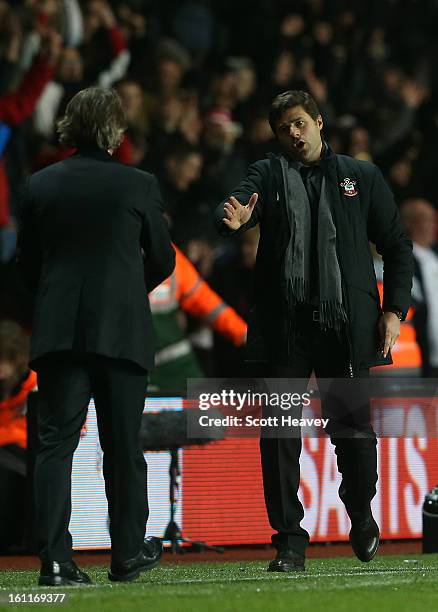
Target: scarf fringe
298	290
332	315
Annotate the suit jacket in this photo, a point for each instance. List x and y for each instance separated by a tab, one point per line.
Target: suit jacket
92	243
366	212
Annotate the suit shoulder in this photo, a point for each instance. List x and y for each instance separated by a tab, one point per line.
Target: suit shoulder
144	174
46	172
134	174
261	166
111	171
258	171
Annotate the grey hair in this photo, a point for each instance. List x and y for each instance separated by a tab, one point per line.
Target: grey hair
94	117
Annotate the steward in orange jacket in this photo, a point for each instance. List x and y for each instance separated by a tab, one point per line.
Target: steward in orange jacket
186	290
13	428
16	382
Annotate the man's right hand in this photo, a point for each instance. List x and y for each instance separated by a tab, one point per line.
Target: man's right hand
238	214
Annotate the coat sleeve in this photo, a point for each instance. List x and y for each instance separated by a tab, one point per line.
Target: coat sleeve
386	231
155	240
17	106
198	299
254	182
28	254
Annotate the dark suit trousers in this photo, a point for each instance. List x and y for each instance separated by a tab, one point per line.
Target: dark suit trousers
350	431
66	383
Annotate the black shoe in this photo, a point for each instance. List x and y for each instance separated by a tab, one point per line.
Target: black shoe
66	573
147	558
364	538
287	561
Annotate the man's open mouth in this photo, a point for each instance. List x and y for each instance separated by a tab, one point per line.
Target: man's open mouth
299	145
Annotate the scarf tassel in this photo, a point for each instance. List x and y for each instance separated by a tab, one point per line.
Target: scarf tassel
297	290
332	315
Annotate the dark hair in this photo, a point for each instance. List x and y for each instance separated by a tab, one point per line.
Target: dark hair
94	117
14	344
289	99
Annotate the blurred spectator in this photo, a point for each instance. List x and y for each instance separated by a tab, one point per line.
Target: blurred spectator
178	117
74	73
224	163
171	64
246	85
16	382
104	50
359	146
234	281
16	107
223	87
193	25
178	181
402	179
11	35
420	219
68	82
132	97
399	99
284	75
134	146
259	137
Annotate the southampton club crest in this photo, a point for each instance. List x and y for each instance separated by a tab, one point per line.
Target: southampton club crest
349	187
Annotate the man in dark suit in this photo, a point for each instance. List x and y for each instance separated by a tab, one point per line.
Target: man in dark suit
92	243
316	303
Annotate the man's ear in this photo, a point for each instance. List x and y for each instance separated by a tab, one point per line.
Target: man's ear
319	122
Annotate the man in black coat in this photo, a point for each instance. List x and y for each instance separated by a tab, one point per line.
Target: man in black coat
316	304
92	243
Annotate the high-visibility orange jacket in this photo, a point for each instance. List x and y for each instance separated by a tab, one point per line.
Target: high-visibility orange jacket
185	289
13	429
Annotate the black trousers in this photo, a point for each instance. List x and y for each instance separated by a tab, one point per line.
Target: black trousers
355	442
66	383
13	490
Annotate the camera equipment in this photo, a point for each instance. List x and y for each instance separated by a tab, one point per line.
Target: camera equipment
166	430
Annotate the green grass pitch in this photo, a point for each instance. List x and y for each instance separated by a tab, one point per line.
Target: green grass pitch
389	583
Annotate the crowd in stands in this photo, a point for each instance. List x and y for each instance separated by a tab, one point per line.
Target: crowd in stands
196	78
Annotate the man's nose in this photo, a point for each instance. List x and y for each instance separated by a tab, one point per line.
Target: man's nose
294	132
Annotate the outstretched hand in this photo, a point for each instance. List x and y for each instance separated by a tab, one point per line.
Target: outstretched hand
237	214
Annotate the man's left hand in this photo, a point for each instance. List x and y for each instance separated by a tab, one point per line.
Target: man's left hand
389	331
